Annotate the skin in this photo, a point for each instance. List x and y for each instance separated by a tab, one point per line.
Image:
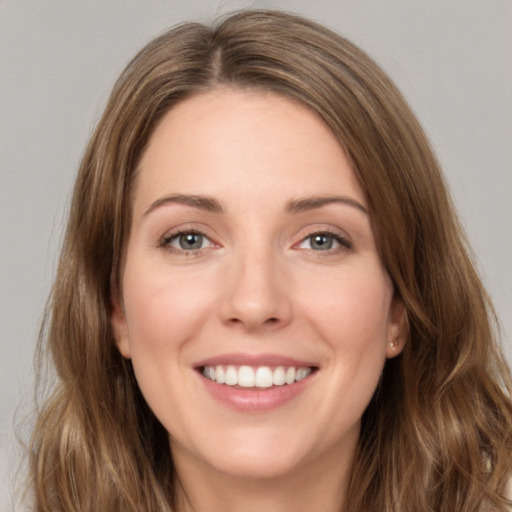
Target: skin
257	285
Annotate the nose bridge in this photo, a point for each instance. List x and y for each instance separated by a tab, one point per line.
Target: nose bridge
255	291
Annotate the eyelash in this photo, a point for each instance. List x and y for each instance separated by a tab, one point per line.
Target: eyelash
166	240
344	243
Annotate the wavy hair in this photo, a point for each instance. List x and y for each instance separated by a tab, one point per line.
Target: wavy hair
437	434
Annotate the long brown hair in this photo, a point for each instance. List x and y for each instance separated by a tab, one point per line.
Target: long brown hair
436	436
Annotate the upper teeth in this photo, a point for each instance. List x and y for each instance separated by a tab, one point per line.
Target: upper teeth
259	377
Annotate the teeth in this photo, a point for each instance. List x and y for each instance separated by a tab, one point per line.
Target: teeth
259	377
302	373
264	377
231	376
220	376
279	377
246	377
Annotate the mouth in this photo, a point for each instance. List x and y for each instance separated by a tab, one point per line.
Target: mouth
256	377
256	383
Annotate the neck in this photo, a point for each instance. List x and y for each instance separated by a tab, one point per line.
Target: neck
310	487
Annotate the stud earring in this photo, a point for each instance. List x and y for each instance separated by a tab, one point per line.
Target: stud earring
394	344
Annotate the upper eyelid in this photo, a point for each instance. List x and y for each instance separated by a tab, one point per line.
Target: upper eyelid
343	241
179	232
173	233
314	229
188	227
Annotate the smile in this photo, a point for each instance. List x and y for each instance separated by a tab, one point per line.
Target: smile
256	383
255	377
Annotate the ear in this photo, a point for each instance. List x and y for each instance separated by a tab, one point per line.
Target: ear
398	328
119	325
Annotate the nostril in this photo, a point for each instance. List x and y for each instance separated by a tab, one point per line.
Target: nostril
272	320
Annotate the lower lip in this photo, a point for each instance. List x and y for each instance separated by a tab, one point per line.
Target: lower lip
252	399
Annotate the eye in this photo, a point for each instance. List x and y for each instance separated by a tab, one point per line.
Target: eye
186	241
324	242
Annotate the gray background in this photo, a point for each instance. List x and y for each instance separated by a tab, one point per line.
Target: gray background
451	58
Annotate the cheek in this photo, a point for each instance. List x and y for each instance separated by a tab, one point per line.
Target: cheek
351	314
352	310
164	311
163	308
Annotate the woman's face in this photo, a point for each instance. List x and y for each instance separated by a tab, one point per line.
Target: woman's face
255	308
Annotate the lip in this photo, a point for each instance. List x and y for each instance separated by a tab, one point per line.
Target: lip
252	400
254	360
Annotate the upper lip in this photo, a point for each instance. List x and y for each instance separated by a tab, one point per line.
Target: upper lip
255	360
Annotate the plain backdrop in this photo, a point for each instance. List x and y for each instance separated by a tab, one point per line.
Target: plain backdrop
59	58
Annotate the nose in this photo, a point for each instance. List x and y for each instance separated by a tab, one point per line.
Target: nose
256	293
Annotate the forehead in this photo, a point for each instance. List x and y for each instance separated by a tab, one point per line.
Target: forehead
250	143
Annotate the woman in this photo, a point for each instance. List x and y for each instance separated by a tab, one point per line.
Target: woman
264	299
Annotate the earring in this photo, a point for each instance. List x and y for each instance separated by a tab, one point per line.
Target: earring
394	344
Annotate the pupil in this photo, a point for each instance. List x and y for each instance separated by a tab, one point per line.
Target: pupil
191	241
321	242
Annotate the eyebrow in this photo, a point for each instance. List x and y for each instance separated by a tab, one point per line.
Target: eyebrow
208	204
315	202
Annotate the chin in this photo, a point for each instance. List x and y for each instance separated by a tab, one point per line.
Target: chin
261	466
254	453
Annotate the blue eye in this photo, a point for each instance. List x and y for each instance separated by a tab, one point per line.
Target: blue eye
189	241
321	242
186	241
324	242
